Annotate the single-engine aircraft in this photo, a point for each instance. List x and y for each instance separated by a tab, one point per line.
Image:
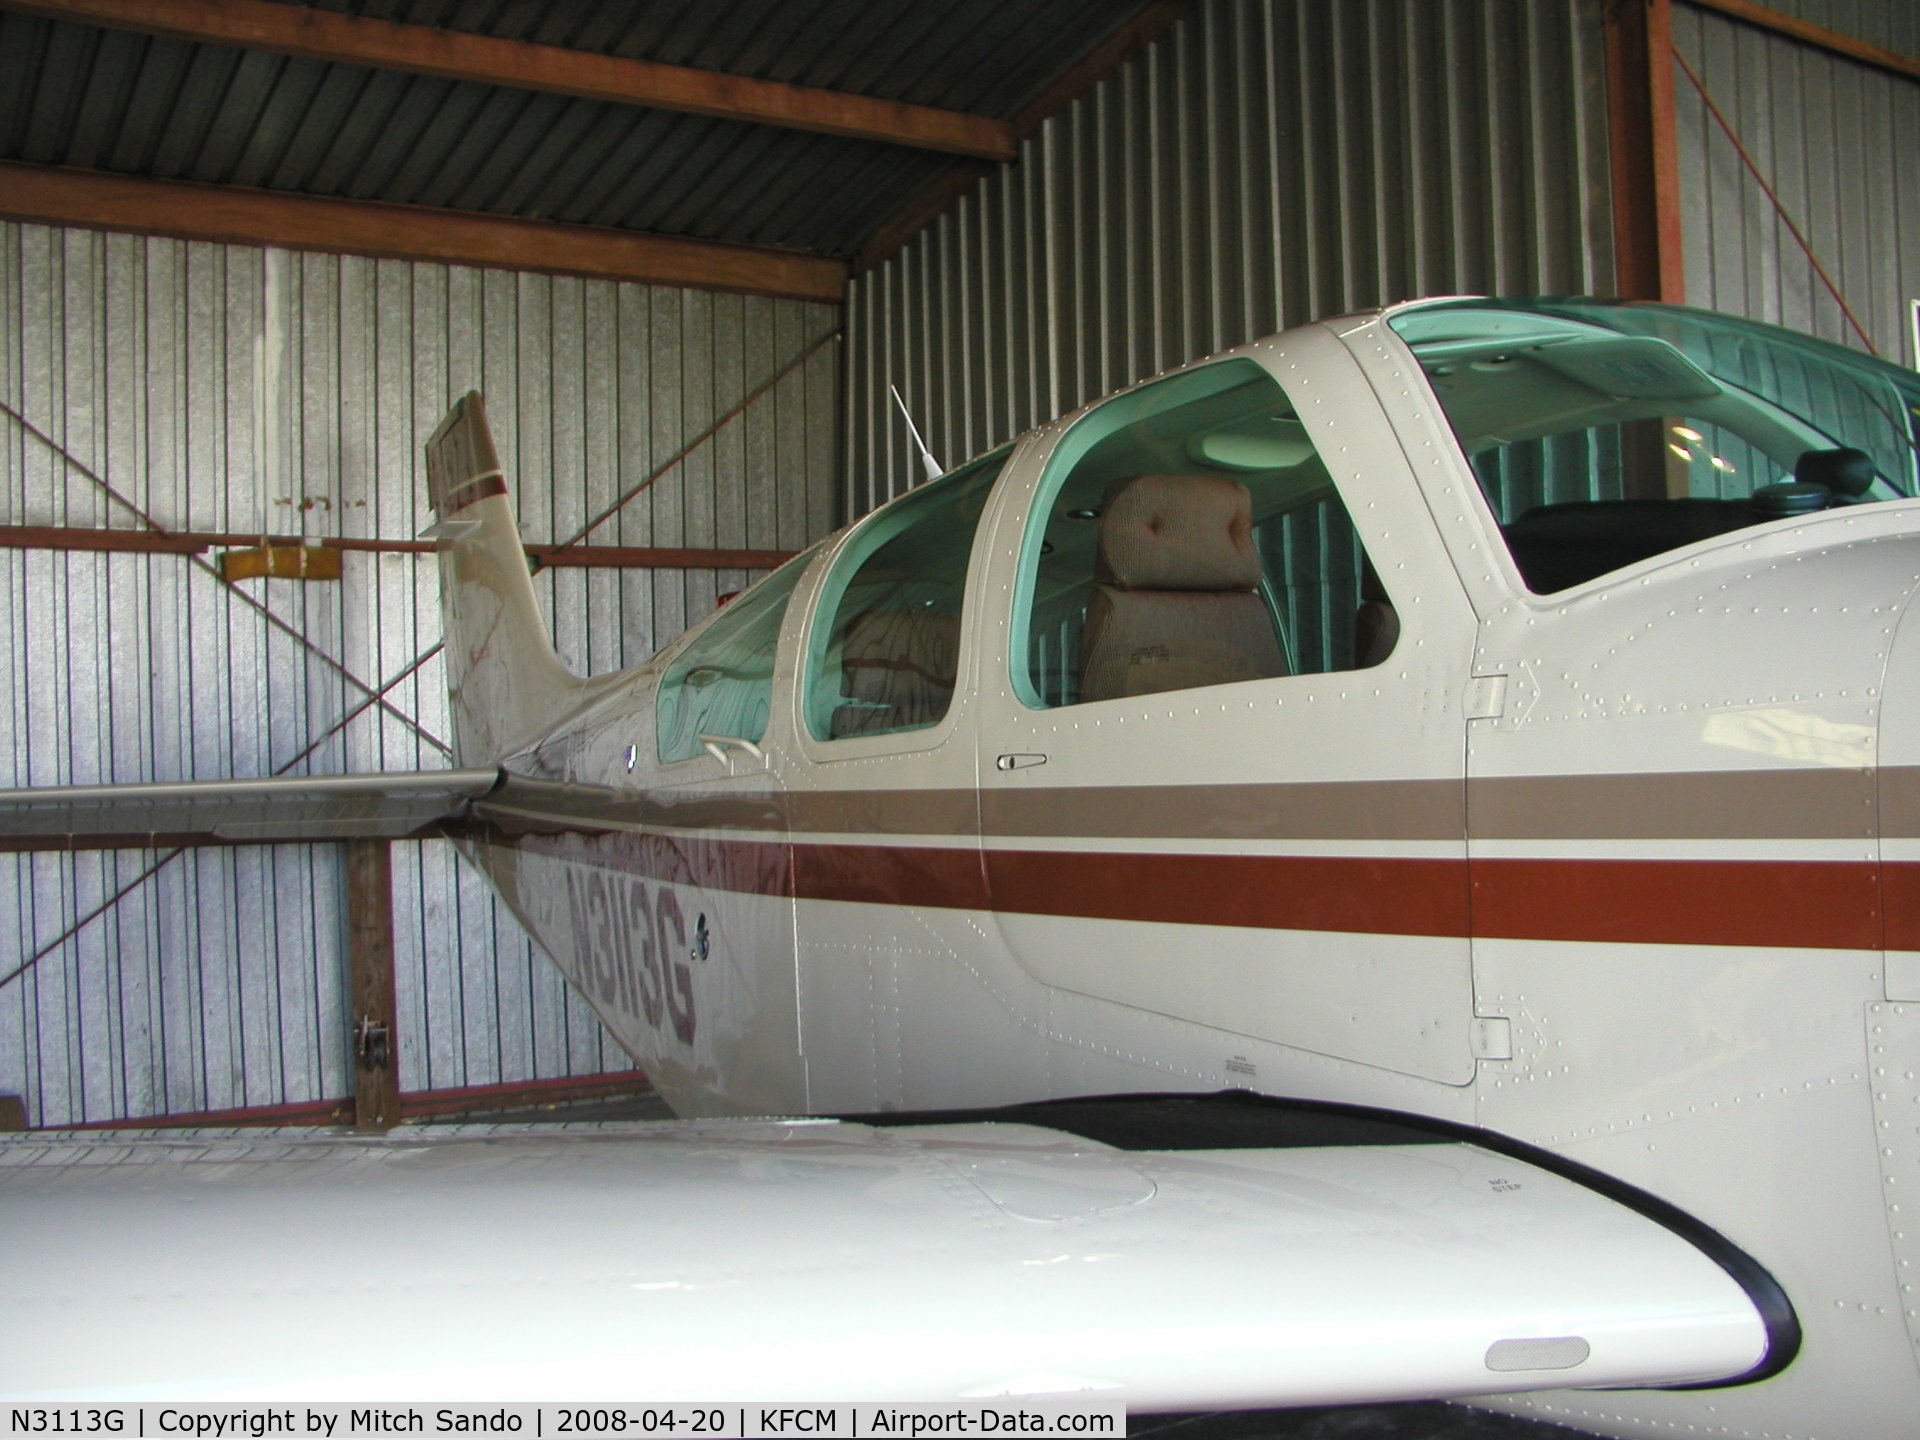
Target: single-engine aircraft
1381	864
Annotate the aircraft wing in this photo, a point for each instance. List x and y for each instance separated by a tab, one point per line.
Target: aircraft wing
302	807
831	1261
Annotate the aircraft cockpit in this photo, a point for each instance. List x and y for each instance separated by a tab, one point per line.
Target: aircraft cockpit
1602	434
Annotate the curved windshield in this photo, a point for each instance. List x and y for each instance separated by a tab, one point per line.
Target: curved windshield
1605	433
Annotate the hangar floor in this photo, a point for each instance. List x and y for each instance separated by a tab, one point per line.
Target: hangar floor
1423	1421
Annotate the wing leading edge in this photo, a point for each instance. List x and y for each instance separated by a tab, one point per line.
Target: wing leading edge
303	807
826	1260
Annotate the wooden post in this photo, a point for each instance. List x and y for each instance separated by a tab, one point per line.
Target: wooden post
376	1067
1645	154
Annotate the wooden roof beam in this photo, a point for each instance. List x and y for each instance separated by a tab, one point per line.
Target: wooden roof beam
458	55
231	214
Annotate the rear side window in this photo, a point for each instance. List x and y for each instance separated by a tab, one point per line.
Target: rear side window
722	683
885	652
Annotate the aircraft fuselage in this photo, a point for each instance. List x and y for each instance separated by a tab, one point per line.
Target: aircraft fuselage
1626	867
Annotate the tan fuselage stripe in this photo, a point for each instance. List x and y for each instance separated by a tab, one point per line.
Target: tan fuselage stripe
1899	801
1826	804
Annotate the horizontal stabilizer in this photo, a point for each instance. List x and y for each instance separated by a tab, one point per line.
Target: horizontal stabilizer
301	807
821	1260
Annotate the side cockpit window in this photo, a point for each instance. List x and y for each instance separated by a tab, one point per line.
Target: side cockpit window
1188	535
1606	434
722	682
885	652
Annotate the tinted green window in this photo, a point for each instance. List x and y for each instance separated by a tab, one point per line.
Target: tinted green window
722	683
885	652
1605	434
1188	534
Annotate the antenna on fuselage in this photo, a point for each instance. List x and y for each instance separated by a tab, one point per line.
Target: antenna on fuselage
934	471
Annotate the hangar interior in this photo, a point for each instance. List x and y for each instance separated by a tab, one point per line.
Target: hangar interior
250	252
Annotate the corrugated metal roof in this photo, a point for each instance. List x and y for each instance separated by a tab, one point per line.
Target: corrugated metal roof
173	109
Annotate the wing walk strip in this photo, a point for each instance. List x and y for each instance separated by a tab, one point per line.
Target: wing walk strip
1417	1265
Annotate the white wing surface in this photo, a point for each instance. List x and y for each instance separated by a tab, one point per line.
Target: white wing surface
302	807
831	1261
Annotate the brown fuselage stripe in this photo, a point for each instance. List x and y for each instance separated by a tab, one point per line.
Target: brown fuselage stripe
1900	884
1812	904
1796	804
1832	904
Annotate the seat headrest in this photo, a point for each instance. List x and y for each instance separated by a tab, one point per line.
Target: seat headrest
1845	471
1178	532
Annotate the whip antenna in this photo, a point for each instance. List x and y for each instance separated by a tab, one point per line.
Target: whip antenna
926	456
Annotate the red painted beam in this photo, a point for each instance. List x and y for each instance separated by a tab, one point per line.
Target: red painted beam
195	542
414	1104
1645	154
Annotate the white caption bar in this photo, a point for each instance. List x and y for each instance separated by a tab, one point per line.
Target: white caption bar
731	1420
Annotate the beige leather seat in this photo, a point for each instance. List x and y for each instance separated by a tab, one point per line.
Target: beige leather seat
1175	604
897	671
1376	625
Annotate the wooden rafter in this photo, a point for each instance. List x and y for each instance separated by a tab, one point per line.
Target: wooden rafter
458	55
235	215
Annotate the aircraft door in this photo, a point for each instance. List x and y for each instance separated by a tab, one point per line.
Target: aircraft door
1222	779
893	1011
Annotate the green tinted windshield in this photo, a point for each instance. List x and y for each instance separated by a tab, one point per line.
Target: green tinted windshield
1606	433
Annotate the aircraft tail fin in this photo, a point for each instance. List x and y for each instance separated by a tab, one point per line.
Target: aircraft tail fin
505	682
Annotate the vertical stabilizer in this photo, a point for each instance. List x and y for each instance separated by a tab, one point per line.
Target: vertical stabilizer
505	681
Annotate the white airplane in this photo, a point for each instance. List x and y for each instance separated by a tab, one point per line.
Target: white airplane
1382	864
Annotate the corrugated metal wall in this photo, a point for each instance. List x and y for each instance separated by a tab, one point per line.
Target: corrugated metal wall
1837	140
1267	162
238	389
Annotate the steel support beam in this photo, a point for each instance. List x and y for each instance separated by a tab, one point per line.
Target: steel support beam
1766	18
414	1104
197	542
376	1060
460	55
1645	155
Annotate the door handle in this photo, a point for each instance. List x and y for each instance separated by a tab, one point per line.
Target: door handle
1018	762
718	745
